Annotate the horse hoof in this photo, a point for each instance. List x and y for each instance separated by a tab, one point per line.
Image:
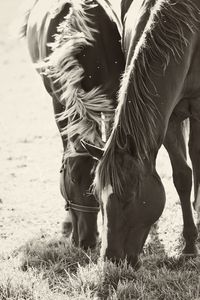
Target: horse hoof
66	229
192	251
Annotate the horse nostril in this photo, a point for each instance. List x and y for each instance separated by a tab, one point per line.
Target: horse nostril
134	261
113	256
115	260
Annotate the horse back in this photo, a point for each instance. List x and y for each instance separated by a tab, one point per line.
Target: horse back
103	61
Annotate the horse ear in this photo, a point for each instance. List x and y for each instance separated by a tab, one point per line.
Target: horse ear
94	151
130	146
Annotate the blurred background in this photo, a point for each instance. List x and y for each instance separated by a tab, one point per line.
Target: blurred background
30	145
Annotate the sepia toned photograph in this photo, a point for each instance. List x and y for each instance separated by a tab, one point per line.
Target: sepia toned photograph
100	150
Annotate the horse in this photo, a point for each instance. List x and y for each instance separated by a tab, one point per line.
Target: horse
75	47
159	90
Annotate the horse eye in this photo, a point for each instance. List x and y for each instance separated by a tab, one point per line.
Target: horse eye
74	180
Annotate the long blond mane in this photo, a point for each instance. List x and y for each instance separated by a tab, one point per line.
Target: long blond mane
83	110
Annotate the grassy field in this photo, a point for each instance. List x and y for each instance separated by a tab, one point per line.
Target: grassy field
35	262
53	269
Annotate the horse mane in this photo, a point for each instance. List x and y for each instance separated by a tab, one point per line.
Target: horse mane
82	109
164	36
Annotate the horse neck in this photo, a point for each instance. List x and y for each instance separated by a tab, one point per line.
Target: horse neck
155	73
137	14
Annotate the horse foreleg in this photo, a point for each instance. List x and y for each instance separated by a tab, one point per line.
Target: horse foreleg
194	150
182	177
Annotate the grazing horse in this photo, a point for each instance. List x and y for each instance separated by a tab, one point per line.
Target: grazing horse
75	46
160	88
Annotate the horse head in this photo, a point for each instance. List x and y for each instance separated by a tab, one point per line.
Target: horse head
130	206
77	174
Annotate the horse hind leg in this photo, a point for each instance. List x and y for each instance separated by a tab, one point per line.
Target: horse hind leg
194	151
182	177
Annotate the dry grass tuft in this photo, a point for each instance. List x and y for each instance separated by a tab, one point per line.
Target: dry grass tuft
54	269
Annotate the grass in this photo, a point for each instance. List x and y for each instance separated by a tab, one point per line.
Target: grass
55	270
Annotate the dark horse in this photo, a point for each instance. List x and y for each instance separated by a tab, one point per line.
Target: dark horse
75	46
159	90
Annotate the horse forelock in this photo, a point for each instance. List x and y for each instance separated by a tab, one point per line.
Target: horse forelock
164	37
115	169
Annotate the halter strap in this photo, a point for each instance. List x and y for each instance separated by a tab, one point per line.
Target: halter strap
69	203
81	208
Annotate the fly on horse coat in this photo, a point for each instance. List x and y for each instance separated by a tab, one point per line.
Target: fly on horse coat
75	46
160	88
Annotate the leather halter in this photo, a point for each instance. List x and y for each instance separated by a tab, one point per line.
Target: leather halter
69	203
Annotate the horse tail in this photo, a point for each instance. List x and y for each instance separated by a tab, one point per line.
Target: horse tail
83	109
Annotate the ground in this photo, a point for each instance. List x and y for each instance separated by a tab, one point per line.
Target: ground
30	201
30	145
